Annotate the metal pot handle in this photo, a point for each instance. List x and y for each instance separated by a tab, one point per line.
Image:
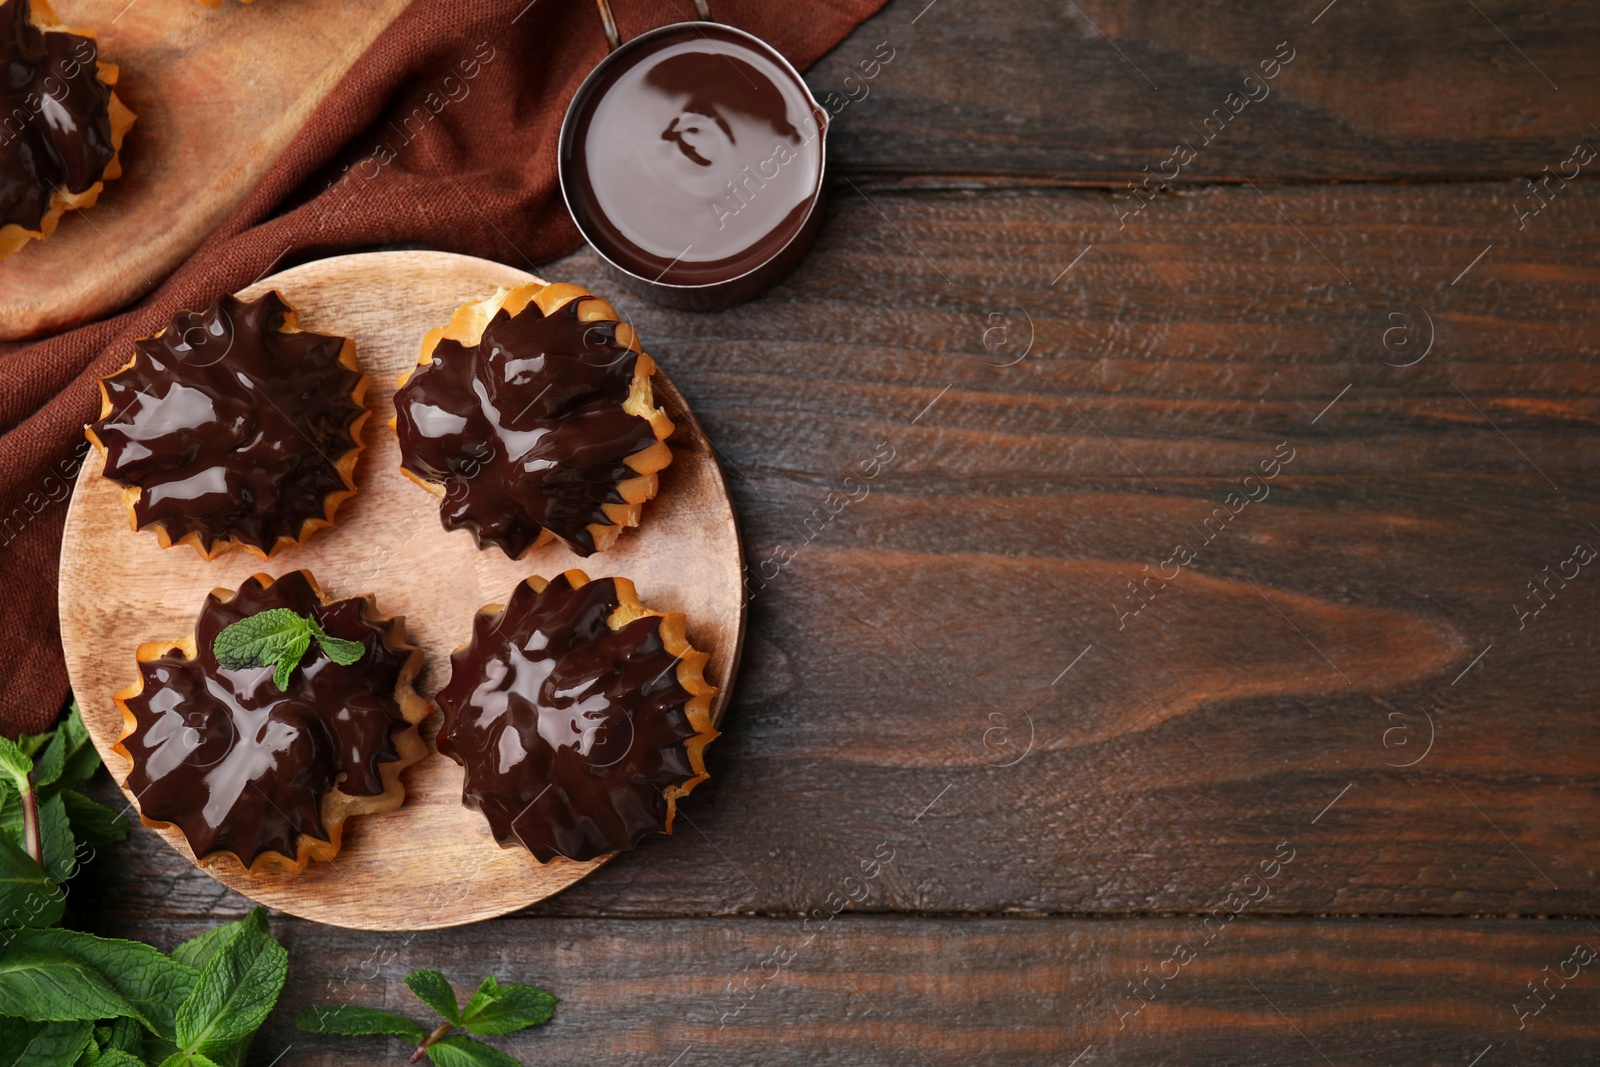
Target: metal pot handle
609	23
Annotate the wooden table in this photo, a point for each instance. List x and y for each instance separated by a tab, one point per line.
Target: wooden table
1321	789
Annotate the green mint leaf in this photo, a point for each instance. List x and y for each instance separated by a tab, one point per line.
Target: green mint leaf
60	1044
124	1035
197	951
48	765
55	838
27	895
14	1033
279	638
342	652
81	758
89	1055
44	987
289	659
432	989
91	821
460	1051
236	991
232	1056
254	640
10	813
487	993
151	983
15	764
113	1057
351	1021
338	649
502	1009
267	638
188	1059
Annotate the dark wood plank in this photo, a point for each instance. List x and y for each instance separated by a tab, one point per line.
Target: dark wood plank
1097	90
876	991
894	665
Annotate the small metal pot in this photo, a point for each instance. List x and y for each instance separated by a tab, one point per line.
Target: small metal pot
720	292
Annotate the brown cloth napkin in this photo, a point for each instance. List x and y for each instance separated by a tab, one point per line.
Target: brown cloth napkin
479	178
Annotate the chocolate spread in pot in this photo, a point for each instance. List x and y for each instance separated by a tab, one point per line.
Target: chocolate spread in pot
525	430
230	427
569	731
240	766
696	157
55	126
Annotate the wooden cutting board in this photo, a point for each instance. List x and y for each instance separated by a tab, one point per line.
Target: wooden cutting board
219	94
432	862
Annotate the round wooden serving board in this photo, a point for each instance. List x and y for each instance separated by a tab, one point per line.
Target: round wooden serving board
432	862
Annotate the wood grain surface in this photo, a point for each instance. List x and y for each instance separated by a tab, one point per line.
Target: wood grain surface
431	862
1093	92
1353	669
870	991
213	115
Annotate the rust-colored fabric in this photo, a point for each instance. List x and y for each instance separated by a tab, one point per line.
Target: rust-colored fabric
473	171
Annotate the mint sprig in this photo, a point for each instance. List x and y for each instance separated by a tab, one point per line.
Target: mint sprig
235	992
493	1009
42	810
279	638
71	998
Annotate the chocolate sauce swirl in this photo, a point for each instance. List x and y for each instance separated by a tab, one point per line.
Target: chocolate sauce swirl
694	156
232	428
569	731
56	132
240	766
525	429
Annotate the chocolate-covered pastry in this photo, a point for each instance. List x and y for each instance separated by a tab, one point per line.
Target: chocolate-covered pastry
579	715
265	763
531	414
233	428
63	125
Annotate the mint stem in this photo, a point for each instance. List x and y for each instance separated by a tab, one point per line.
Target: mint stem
30	822
429	1040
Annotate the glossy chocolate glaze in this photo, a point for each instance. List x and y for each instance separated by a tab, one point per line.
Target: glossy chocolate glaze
525	430
231	428
55	127
569	731
695	158
241	767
